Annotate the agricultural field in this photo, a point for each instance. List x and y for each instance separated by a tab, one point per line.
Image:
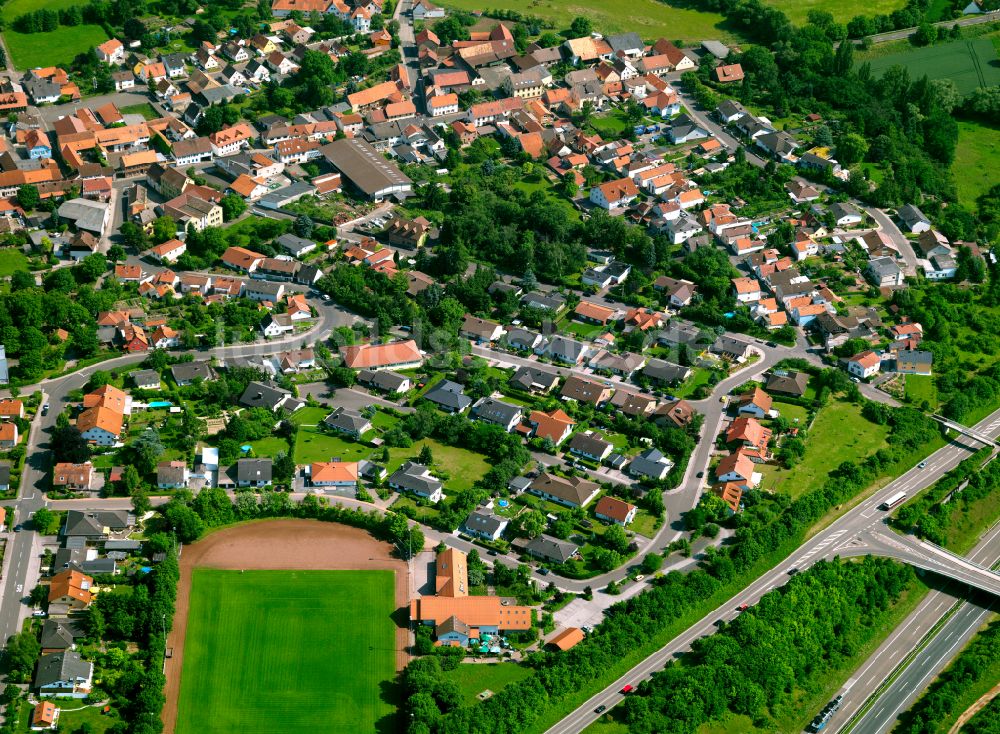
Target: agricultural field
969	63
977	159
279	651
651	19
842	10
56	48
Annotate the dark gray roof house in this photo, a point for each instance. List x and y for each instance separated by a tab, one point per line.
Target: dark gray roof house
912	218
497	412
534	379
60	634
253	472
263	395
449	396
730	348
416	478
187	372
523	339
554	302
485	524
564	349
63	672
665	372
295	245
145	379
96	524
385	380
348	421
651	463
550	549
788	382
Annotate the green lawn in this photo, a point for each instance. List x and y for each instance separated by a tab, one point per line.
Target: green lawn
969	63
611	125
790	411
312	444
464	467
269	446
309	416
644	524
977	159
70	720
649	18
144	108
12	260
55	48
838	434
280	651
842	10
473	679
15	8
699	376
920	388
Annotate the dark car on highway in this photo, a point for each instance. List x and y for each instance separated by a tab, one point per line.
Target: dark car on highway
600	709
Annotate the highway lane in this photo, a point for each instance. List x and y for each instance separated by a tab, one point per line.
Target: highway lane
830	542
945	645
892	652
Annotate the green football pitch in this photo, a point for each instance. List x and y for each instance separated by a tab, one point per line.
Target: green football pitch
284	651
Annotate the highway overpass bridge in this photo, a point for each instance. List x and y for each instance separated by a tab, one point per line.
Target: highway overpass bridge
878	540
966	431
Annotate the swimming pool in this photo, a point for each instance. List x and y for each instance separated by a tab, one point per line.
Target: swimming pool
503	503
160	404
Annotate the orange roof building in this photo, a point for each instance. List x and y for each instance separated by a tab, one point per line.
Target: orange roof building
334	473
71	588
452	573
569	637
394	355
555	426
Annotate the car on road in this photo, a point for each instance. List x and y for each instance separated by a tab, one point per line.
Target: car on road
772	344
922	465
742	607
18	528
640	577
39	613
326	296
543	572
700	474
793	570
492	552
45	409
600	709
627	689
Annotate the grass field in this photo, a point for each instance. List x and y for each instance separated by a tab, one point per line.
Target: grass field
464	467
56	48
977	159
269	446
280	651
920	388
145	109
474	679
651	19
838	434
312	444
969	63
842	10
12	260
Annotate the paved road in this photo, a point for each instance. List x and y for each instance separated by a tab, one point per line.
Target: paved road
834	540
925	664
904	246
907	32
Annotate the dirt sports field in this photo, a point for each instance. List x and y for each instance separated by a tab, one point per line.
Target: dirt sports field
278	544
